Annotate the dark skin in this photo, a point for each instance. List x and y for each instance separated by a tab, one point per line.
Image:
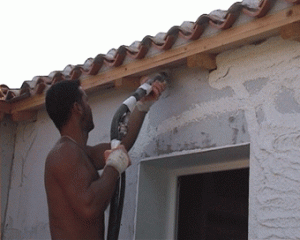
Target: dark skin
77	195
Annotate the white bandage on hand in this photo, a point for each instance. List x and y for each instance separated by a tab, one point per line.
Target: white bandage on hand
144	106
118	159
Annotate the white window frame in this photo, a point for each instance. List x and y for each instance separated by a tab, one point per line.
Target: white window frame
157	185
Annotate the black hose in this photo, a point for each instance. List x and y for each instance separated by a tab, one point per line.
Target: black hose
116	204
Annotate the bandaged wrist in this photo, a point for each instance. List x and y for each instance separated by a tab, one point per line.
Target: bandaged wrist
144	106
118	159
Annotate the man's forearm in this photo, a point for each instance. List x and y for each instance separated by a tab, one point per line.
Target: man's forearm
133	128
101	190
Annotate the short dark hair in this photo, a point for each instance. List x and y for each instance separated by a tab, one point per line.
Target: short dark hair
60	99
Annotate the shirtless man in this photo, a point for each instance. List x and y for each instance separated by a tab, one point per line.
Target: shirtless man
77	196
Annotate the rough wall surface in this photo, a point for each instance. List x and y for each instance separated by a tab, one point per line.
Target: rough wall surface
26	216
7	147
253	96
266	83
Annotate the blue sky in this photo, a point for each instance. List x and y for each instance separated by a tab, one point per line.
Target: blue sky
38	36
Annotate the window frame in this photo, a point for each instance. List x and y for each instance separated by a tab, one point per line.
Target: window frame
157	190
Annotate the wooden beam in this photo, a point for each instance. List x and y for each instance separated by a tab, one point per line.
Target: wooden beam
5	107
24	116
31	103
118	82
128	83
203	60
131	83
258	29
291	31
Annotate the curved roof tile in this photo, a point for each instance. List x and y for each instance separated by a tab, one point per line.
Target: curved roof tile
189	31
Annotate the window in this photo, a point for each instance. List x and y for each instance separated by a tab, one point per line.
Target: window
213	205
159	197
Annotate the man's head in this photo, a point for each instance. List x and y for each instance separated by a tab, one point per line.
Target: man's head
62	97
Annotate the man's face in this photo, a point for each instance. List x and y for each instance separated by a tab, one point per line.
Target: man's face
87	117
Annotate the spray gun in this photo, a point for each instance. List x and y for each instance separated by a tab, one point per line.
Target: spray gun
117	132
129	104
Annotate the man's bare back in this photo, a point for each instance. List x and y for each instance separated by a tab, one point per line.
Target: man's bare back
67	169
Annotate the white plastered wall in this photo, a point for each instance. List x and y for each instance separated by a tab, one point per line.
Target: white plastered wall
253	96
7	145
266	82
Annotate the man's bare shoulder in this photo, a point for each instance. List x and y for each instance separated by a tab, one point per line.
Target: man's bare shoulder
61	156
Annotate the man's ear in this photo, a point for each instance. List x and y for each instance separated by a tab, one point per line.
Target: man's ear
77	108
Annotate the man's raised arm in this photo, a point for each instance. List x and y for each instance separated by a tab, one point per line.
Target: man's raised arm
134	125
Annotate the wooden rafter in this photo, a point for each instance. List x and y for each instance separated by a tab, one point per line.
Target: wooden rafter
32	103
5	107
291	31
203	60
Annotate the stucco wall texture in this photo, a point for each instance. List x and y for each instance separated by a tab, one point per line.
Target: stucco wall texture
253	96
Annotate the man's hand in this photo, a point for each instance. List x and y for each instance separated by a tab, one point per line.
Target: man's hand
117	158
146	102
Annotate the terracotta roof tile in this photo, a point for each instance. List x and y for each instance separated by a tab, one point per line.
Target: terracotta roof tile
260	11
188	31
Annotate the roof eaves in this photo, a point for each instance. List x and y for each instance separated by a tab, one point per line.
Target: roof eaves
105	68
